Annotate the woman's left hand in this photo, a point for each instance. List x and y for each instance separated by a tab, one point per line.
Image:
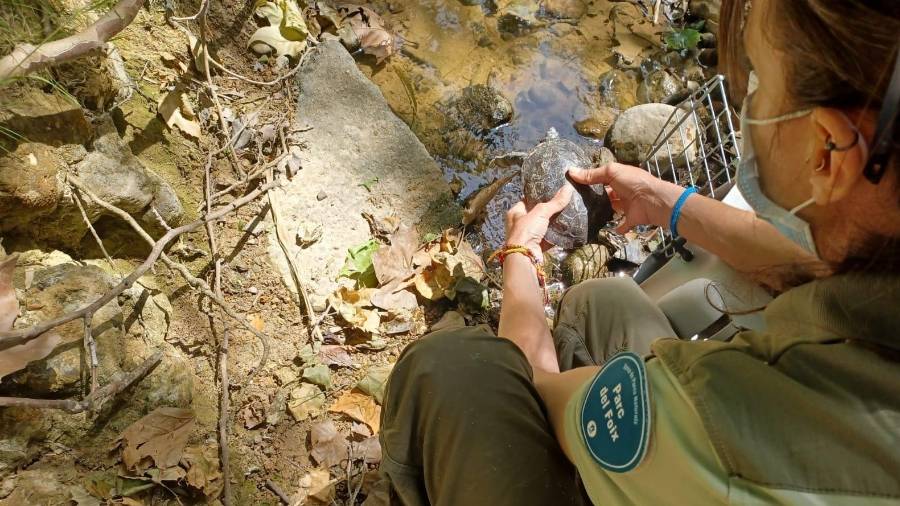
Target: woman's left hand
527	228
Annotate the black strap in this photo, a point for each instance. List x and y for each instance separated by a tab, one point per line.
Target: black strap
884	133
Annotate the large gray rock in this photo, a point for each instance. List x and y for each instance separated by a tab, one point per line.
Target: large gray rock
352	137
114	174
632	135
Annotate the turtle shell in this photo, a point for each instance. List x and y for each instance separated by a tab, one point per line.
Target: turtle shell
544	173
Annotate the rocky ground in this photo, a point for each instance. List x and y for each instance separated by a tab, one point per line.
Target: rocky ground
357	249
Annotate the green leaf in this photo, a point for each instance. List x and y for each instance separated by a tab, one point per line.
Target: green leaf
679	40
358	265
368	184
430	236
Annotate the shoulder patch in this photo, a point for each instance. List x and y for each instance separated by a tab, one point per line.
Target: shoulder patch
615	416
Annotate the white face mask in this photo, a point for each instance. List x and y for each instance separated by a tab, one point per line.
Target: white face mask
786	221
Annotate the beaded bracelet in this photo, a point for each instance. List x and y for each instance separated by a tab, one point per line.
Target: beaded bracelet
510	249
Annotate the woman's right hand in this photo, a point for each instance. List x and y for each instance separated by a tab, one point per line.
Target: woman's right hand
641	197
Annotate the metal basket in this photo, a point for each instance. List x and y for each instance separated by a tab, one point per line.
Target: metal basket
697	146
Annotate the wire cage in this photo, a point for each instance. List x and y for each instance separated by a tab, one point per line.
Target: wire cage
698	145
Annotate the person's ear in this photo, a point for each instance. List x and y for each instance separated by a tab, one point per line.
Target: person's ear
840	153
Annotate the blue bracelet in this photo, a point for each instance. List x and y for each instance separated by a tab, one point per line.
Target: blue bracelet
676	209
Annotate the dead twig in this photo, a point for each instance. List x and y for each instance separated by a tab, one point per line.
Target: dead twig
90	226
271	485
192	280
90	351
292	266
16	337
26	58
95	400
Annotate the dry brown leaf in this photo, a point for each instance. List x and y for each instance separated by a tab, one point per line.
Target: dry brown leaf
160	436
177	112
315	485
257	322
17	357
369	450
433	282
359	407
370	32
9	305
352	304
203	470
329	447
400	300
394	262
333	354
476	205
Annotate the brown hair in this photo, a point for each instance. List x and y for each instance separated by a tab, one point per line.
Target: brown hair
840	53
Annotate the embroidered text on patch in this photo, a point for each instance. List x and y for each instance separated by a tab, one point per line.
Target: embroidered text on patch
615	416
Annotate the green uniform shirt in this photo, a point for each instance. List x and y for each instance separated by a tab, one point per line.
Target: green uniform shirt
683	463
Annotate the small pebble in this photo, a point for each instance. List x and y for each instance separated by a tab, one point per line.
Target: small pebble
253	290
321	196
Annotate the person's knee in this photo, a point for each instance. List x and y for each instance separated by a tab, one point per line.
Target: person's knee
604	292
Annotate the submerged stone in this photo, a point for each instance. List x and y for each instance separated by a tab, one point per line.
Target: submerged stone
618	89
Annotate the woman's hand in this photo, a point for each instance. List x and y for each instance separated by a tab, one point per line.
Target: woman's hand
642	198
527	228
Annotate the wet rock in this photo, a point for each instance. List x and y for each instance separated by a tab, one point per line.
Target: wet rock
658	85
352	127
706	9
48	118
632	135
618	89
598	123
587	262
517	17
563	9
30	186
602	156
55	291
481	107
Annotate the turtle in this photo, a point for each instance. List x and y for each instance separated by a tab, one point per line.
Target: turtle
543	174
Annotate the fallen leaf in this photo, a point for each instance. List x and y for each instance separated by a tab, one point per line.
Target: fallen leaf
100	484
203	471
17	357
159	436
271	12
369	450
177	112
81	497
329	447
374	381
358	265
432	283
318	375
352	306
317	485
476	205
333	354
9	304
308	233
268	39
306	402
395	300
198	53
471	263
359	407
257	322
368	30
394	262
292	25
382	225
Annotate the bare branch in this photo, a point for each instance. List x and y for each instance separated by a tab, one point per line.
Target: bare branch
96	399
26	58
13	338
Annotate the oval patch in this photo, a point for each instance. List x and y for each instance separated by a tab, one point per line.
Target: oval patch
615	416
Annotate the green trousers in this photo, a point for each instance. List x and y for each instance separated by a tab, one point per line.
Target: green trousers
462	423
